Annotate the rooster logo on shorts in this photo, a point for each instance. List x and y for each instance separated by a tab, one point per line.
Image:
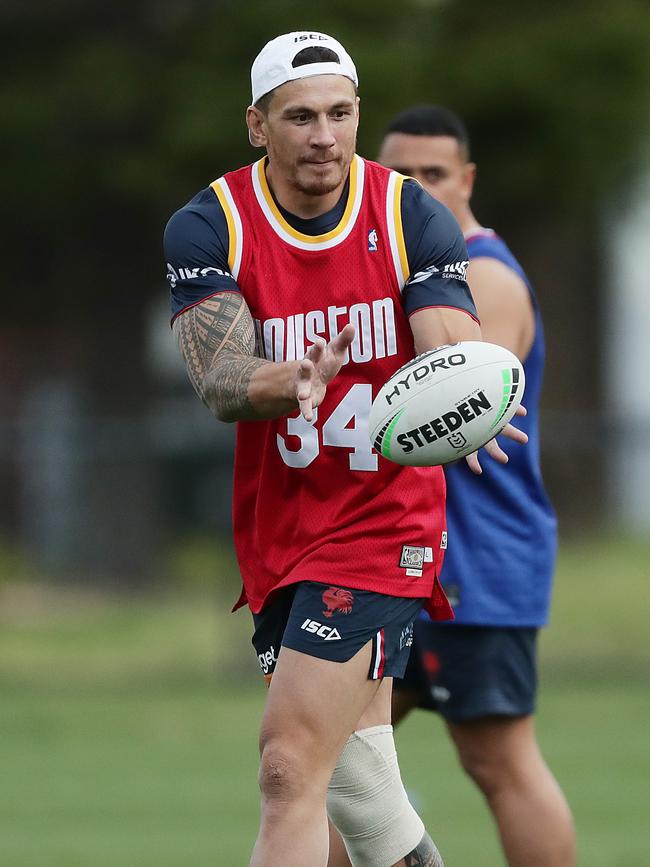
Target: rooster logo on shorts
337	599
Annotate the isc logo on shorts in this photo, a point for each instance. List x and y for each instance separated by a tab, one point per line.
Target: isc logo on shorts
328	633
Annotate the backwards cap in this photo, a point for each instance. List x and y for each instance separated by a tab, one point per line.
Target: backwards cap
273	66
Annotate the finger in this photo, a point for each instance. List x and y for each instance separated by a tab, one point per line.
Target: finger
521	410
495	451
343	340
306	408
304	388
304	374
513	433
473	463
316	350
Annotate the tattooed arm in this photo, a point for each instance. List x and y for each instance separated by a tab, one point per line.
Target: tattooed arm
217	341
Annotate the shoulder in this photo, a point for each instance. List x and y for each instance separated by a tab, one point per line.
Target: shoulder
431	232
419	205
486	274
494	267
198	228
202	213
425	219
485	243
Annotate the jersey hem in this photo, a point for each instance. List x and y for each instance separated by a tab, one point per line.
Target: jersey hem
445	307
196	303
436	603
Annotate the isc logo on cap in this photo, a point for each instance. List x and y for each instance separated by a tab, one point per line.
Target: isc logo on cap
318	37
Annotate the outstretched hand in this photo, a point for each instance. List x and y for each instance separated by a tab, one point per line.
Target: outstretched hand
494	449
318	368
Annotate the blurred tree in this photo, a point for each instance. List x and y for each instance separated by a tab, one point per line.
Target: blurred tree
112	116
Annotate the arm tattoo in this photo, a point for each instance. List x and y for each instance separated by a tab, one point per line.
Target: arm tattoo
217	340
424	855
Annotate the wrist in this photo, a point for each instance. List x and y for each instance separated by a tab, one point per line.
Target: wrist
272	388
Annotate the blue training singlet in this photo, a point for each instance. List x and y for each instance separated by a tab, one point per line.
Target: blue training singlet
498	568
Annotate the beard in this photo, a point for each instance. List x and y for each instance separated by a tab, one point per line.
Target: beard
312	180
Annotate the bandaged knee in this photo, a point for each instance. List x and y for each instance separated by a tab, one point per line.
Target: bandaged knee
367	803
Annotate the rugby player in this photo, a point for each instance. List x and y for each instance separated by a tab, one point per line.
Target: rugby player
294	298
479	672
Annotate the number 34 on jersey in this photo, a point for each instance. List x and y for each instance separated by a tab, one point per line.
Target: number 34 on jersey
346	427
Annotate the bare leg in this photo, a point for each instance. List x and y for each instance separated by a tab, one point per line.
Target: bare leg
402	703
338	856
501	755
313	706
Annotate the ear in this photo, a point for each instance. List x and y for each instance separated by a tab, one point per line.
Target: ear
469	176
256	123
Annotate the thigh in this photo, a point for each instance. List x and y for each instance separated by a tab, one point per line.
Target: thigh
313	705
333	673
469	672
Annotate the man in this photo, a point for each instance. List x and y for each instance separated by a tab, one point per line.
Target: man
479	673
291	307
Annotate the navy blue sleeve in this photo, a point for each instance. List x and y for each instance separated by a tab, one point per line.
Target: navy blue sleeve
196	252
436	252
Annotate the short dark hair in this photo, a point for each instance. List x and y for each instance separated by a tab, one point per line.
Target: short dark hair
432	120
311	54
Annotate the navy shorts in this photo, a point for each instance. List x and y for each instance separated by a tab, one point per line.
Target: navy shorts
333	622
468	672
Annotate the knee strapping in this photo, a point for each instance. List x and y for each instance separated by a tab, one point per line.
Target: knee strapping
367	802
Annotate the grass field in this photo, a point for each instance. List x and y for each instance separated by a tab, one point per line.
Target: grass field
128	729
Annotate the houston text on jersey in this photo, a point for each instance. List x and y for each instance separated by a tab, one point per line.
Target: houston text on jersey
288	339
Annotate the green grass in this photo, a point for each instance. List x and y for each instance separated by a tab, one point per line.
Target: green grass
138	777
595	740
128	729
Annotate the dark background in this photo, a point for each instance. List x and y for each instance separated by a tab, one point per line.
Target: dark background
112	116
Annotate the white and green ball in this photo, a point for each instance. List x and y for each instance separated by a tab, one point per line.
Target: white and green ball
446	403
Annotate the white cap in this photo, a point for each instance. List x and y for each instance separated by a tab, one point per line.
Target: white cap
273	66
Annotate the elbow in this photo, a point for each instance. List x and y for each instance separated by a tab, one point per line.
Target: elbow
222	410
225	415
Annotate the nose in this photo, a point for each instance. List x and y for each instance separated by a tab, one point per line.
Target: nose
321	133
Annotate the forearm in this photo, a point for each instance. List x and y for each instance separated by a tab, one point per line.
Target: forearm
241	388
217	341
439	326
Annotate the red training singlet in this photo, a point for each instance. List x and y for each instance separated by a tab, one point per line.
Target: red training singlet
314	501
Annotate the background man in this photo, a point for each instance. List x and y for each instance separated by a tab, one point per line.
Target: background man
480	671
287	281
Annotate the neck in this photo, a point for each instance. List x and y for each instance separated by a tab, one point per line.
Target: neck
467	221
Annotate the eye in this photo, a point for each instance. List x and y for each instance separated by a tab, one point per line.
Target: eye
433	175
340	113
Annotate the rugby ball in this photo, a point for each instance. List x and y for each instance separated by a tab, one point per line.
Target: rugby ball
446	403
